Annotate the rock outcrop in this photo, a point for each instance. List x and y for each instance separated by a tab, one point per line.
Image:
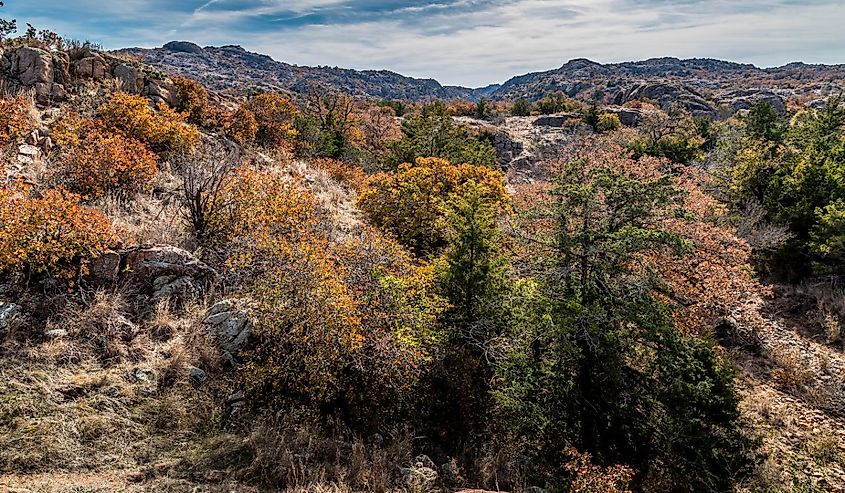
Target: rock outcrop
52	76
160	272
745	99
8	313
666	95
229	323
558	120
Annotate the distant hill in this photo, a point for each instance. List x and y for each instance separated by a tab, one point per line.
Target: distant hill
579	75
703	85
233	68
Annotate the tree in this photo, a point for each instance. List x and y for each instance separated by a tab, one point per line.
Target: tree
7	27
483	109
764	123
671	135
521	107
556	102
474	276
432	133
335	115
608	371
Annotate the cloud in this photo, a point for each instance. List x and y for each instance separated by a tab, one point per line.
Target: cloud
467	42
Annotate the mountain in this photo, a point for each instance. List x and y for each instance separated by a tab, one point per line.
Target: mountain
707	82
233	68
702	85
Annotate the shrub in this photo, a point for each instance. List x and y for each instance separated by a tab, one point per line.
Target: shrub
49	234
673	136
164	131
242	127
589	478
193	100
345	173
608	122
275	115
15	119
410	203
557	102
205	181
358	319
616	377
106	161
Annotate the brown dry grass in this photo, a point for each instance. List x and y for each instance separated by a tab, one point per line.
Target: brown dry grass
105	397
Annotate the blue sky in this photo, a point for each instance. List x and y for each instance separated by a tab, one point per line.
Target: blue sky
466	42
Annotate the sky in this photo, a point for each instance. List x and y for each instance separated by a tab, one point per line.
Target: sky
460	42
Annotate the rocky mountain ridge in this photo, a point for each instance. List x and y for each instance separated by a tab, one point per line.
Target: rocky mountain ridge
233	68
702	85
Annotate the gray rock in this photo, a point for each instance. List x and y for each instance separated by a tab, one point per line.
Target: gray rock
147	264
666	95
167	287
105	268
129	77
8	313
197	374
424	461
557	120
31	65
746	99
228	321
49	92
61	68
536	489
160	92
92	67
236	397
55	334
184	47
419	478
235	403
629	117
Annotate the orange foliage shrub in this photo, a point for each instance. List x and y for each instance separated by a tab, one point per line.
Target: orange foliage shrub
50	233
334	323
109	161
165	130
274	114
71	129
266	211
15	120
717	276
192	100
410	203
345	173
242	127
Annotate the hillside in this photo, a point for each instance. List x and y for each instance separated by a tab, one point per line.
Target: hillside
206	292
